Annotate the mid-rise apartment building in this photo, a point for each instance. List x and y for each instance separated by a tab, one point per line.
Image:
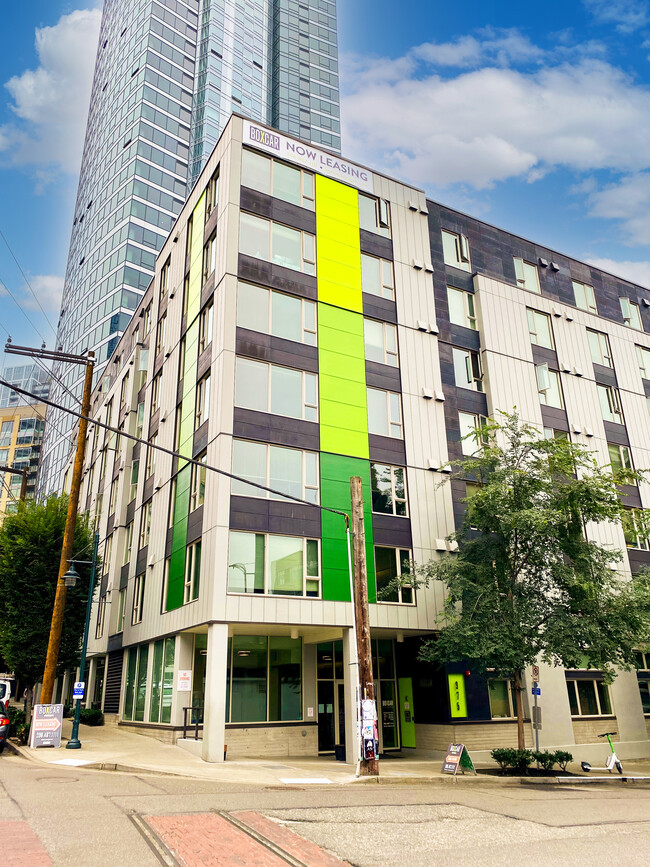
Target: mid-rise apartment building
168	75
311	320
21	434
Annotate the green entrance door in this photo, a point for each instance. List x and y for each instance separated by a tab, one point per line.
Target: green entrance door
406	713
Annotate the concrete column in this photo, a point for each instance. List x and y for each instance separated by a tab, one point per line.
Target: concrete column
309	683
557	728
214	721
626	701
91	675
183	661
350	677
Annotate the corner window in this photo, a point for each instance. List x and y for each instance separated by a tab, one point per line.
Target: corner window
264	679
377	277
381	342
277	179
212	195
455	249
277	243
461	308
292	471
588	697
280	390
527	276
374	215
192	580
155	393
610	403
467	369
145	524
124	389
548	386
643	356
273	565
619	457
209	257
599	348
202	402
584	296
275	313
631	314
384	413
503	704
388	485
138	599
164	279
205	327
392	568
539	328
470	442
634	530
197	486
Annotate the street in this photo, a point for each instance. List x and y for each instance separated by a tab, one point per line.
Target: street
64	815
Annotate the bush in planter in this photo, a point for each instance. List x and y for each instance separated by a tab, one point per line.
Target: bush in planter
562	758
545	759
91	716
510	759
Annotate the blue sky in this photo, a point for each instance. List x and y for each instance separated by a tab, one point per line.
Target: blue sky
535	117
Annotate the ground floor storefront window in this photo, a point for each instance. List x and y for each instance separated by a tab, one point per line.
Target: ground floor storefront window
135	688
162	681
264	679
588	697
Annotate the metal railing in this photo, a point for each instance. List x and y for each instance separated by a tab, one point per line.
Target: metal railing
195	722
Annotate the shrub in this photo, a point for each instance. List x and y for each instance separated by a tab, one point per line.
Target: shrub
91	717
514	760
562	758
16	719
545	759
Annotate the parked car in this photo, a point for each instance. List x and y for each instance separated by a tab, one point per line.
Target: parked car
4	729
5	694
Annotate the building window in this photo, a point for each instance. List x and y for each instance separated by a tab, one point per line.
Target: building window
643	355
527	276
631	314
610	403
145	524
273	565
470	423
146	319
271	312
186	295
138	599
280	390
150	466
548	386
619	457
112	497
162	681
467	369
212	195
291	471
202	413
392	568
584	296
277	179
155	393
634	530
381	342
209	257
374	215
455	249
588	697
133	486
139	420
121	610
384	413
539	328
205	327
644	691
388	485
6	432
264	679
599	348
160	333
277	243
192	580
101	617
377	277
462	310
164	278
197	486
124	389
128	543
135	687
503	704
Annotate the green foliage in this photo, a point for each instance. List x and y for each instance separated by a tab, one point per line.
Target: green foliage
563	759
30	551
91	716
531	584
545	759
18	726
517	761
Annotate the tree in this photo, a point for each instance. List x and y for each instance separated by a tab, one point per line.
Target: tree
30	551
527	582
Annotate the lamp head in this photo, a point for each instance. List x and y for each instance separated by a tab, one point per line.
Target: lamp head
70	577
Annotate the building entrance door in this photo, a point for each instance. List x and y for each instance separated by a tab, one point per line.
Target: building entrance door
331	715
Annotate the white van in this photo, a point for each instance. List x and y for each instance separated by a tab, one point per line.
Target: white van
5	693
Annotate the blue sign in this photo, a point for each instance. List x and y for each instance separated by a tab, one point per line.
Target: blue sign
78	690
536	690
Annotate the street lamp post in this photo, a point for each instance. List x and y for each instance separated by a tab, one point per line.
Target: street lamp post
70	579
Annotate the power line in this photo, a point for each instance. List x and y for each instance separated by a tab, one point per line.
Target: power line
13	297
29	285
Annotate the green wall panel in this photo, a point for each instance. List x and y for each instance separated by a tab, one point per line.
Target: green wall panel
338	252
335	473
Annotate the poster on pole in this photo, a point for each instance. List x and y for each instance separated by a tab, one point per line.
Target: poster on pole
457	757
46	726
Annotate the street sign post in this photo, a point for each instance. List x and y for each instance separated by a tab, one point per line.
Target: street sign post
78	690
46	726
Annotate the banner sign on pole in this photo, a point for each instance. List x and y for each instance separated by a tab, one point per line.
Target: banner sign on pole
369	731
46	726
457	757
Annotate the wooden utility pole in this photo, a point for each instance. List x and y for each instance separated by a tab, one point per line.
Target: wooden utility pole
23	484
367	767
56	628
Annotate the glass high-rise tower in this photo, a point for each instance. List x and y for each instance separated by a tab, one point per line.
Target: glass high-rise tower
167	77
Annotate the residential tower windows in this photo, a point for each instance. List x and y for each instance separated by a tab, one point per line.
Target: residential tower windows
273	565
275	313
292	471
277	243
280	390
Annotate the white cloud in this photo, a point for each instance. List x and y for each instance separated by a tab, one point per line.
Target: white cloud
627	15
636	272
491	46
51	101
48	288
628	200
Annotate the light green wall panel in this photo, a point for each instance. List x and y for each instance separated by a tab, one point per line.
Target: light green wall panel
338	252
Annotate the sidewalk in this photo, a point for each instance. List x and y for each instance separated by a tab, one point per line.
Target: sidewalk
115	749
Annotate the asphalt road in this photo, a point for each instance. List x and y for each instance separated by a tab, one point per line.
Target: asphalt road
69	816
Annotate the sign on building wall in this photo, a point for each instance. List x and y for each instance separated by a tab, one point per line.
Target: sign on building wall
308	156
457	700
184	680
